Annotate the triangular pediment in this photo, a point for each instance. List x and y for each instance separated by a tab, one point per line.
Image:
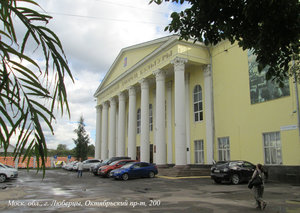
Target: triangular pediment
130	56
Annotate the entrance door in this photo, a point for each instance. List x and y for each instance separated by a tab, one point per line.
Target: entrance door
151	153
138	153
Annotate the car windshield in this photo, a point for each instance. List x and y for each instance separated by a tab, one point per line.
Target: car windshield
2	165
114	163
105	161
128	165
236	163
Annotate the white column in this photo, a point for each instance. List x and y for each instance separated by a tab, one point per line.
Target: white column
187	118
145	145
98	133
160	130
104	150
169	122
121	126
112	129
180	126
154	124
209	120
132	124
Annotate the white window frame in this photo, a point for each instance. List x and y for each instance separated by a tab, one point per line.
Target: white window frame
272	148
138	121
198	103
224	149
199	152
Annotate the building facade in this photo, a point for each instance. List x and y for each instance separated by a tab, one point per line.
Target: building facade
178	102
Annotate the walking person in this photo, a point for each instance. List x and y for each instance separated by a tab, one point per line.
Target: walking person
257	182
80	168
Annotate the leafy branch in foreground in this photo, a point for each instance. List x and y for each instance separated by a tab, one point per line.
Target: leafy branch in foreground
271	28
27	95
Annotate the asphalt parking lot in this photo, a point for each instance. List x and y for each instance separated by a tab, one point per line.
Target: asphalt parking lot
62	191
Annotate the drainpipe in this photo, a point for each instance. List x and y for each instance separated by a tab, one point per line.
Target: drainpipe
297	99
212	103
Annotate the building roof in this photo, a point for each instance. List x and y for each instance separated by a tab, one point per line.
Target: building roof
162	42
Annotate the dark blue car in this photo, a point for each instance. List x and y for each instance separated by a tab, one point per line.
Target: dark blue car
135	170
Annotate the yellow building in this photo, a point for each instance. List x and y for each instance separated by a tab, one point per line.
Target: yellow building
177	102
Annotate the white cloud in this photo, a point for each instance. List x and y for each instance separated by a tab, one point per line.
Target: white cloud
92	33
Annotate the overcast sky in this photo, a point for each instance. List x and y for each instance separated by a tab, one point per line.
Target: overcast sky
92	33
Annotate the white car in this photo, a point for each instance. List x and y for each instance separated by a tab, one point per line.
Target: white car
87	164
69	166
7	173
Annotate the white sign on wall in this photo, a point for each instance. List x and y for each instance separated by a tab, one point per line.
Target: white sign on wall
289	127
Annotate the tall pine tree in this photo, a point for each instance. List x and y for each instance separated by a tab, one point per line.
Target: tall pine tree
82	141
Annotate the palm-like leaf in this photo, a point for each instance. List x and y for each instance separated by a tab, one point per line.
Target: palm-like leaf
21	87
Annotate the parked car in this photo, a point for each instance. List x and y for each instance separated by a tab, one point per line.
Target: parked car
59	164
87	164
135	170
105	170
75	166
94	169
233	171
7	173
69	166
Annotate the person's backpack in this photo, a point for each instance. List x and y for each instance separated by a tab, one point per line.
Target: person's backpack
256	181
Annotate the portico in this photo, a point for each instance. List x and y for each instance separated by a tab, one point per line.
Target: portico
148	96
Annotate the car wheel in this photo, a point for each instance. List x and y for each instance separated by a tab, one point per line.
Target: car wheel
108	174
217	180
2	178
125	176
235	179
151	174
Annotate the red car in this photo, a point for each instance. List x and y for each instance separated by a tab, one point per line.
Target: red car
105	170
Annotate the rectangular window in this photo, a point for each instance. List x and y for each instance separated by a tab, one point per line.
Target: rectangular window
224	149
199	152
262	90
272	148
138	124
198	107
150	117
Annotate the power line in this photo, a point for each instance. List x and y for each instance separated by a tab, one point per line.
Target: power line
132	7
104	18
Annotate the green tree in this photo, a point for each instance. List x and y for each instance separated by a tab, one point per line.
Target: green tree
270	27
91	150
82	141
29	90
62	150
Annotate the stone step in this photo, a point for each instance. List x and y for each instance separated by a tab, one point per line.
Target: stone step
184	171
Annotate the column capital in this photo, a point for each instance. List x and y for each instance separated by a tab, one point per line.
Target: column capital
178	61
98	108
112	101
144	83
160	75
105	105
131	91
121	96
207	70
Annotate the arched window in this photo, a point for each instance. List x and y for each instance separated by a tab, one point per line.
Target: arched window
138	124
198	103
